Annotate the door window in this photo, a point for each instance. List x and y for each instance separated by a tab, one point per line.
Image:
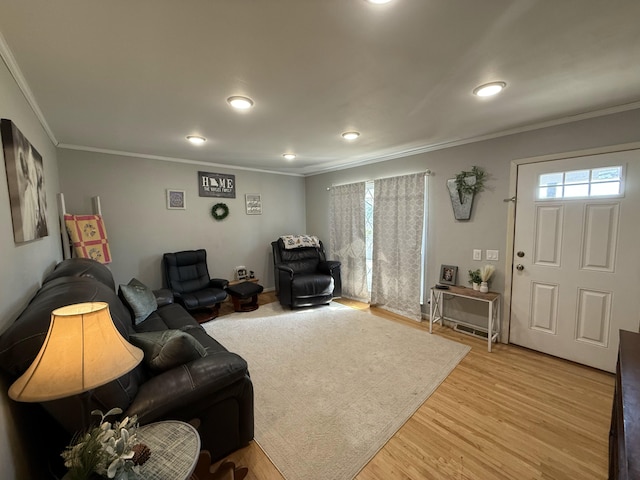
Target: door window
594	182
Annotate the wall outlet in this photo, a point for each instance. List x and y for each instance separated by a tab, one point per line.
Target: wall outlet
477	254
492	255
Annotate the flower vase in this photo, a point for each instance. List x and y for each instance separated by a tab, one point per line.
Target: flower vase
484	287
476	286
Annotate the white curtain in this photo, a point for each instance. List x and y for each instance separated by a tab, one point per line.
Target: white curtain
398	224
347	238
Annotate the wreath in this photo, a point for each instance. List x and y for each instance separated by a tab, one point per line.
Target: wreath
219	211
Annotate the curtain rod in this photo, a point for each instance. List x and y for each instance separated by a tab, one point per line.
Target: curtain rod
427	172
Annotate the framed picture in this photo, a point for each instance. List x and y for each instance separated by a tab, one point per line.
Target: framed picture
253	202
25	179
241	272
176	199
448	274
216	185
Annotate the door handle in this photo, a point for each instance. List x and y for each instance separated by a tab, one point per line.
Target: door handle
519	267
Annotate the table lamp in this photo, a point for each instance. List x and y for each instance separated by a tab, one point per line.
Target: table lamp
83	350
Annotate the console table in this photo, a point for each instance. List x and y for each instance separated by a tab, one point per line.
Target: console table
624	436
436	309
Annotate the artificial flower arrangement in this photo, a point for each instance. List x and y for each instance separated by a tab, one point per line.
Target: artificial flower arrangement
486	272
110	450
485	275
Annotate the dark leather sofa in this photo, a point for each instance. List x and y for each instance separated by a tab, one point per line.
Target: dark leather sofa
304	277
216	388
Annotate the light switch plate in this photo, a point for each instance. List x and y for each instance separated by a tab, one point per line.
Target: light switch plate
492	255
477	254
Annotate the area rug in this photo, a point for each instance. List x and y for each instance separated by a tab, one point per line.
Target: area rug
332	384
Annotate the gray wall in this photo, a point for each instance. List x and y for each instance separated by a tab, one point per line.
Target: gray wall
140	228
22	266
452	242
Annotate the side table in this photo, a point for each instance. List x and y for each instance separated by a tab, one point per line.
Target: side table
236	282
436	309
175	449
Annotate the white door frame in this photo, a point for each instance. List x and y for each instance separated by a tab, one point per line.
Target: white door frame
511	216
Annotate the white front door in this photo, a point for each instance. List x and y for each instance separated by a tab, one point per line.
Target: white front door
576	263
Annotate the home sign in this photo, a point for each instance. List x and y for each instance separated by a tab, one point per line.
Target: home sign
216	185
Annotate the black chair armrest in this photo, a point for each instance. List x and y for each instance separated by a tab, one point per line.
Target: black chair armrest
164	296
328	266
220	283
283	268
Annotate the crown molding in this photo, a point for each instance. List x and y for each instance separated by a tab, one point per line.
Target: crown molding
16	73
173	159
465	141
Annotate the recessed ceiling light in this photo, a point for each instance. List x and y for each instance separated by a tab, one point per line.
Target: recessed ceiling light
196	139
489	89
289	156
378	2
241	103
350	135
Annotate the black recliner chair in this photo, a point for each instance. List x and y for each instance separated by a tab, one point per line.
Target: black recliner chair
187	276
303	276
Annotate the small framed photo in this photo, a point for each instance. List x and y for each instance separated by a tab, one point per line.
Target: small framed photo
253	202
448	274
176	199
241	272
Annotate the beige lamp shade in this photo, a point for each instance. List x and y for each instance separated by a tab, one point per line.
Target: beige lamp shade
82	351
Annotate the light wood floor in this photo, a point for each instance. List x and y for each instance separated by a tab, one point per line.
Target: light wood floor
509	414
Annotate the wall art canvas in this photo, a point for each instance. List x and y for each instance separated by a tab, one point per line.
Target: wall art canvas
253	202
25	178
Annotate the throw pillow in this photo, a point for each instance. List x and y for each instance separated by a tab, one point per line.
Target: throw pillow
164	350
140	299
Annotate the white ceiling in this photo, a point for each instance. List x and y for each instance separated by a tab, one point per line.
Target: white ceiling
137	76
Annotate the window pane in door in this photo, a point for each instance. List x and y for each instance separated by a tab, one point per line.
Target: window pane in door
577	176
605	188
606	174
550	179
550	192
581	190
596	182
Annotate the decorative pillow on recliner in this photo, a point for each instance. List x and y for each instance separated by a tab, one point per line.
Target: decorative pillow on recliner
300	241
140	299
164	350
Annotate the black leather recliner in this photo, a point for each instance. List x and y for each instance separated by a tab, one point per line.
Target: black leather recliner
304	277
187	276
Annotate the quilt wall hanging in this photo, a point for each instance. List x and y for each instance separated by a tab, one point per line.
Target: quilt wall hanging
88	237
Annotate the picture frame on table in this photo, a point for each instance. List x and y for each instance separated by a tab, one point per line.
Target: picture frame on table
448	274
176	199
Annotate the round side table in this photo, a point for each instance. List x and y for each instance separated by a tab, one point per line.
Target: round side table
175	448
